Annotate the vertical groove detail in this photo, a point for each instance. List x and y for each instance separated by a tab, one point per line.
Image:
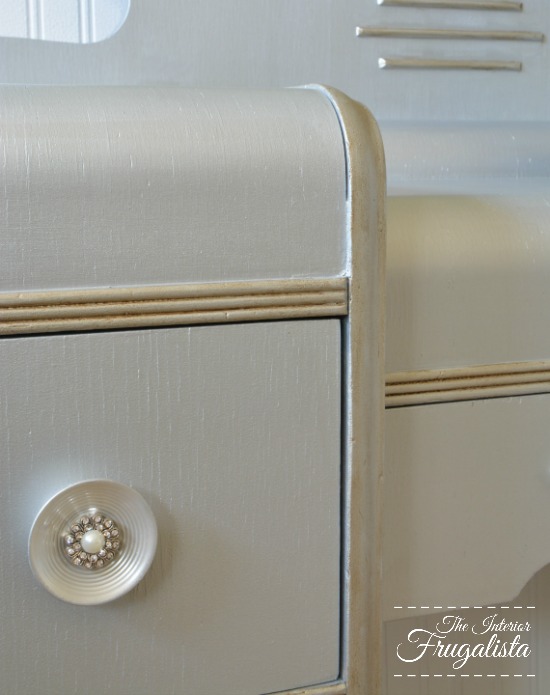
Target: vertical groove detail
31	19
84	21
91	15
40	20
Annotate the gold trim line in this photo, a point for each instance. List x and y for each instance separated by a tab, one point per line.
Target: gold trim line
422	33
446	64
170	305
467	383
338	688
506	5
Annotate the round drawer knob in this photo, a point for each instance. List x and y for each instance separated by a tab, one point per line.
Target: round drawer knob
92	542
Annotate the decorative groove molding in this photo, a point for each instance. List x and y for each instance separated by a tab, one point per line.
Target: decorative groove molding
337	688
78	21
85	21
467	383
423	33
446	64
170	305
35	28
505	5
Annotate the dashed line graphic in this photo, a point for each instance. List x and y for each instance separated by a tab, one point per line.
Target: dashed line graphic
464	675
459	607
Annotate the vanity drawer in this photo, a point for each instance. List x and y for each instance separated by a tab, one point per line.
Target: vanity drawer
232	436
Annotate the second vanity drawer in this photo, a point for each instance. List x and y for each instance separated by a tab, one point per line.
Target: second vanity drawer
232	435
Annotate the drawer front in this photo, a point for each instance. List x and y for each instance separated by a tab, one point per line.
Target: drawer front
155	186
232	435
467	495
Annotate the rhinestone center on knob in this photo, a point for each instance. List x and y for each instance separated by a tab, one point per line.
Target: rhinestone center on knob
92	541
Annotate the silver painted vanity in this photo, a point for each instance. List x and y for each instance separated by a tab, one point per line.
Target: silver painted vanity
460	88
191	306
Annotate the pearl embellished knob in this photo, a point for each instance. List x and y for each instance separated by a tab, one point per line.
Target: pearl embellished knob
92	542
